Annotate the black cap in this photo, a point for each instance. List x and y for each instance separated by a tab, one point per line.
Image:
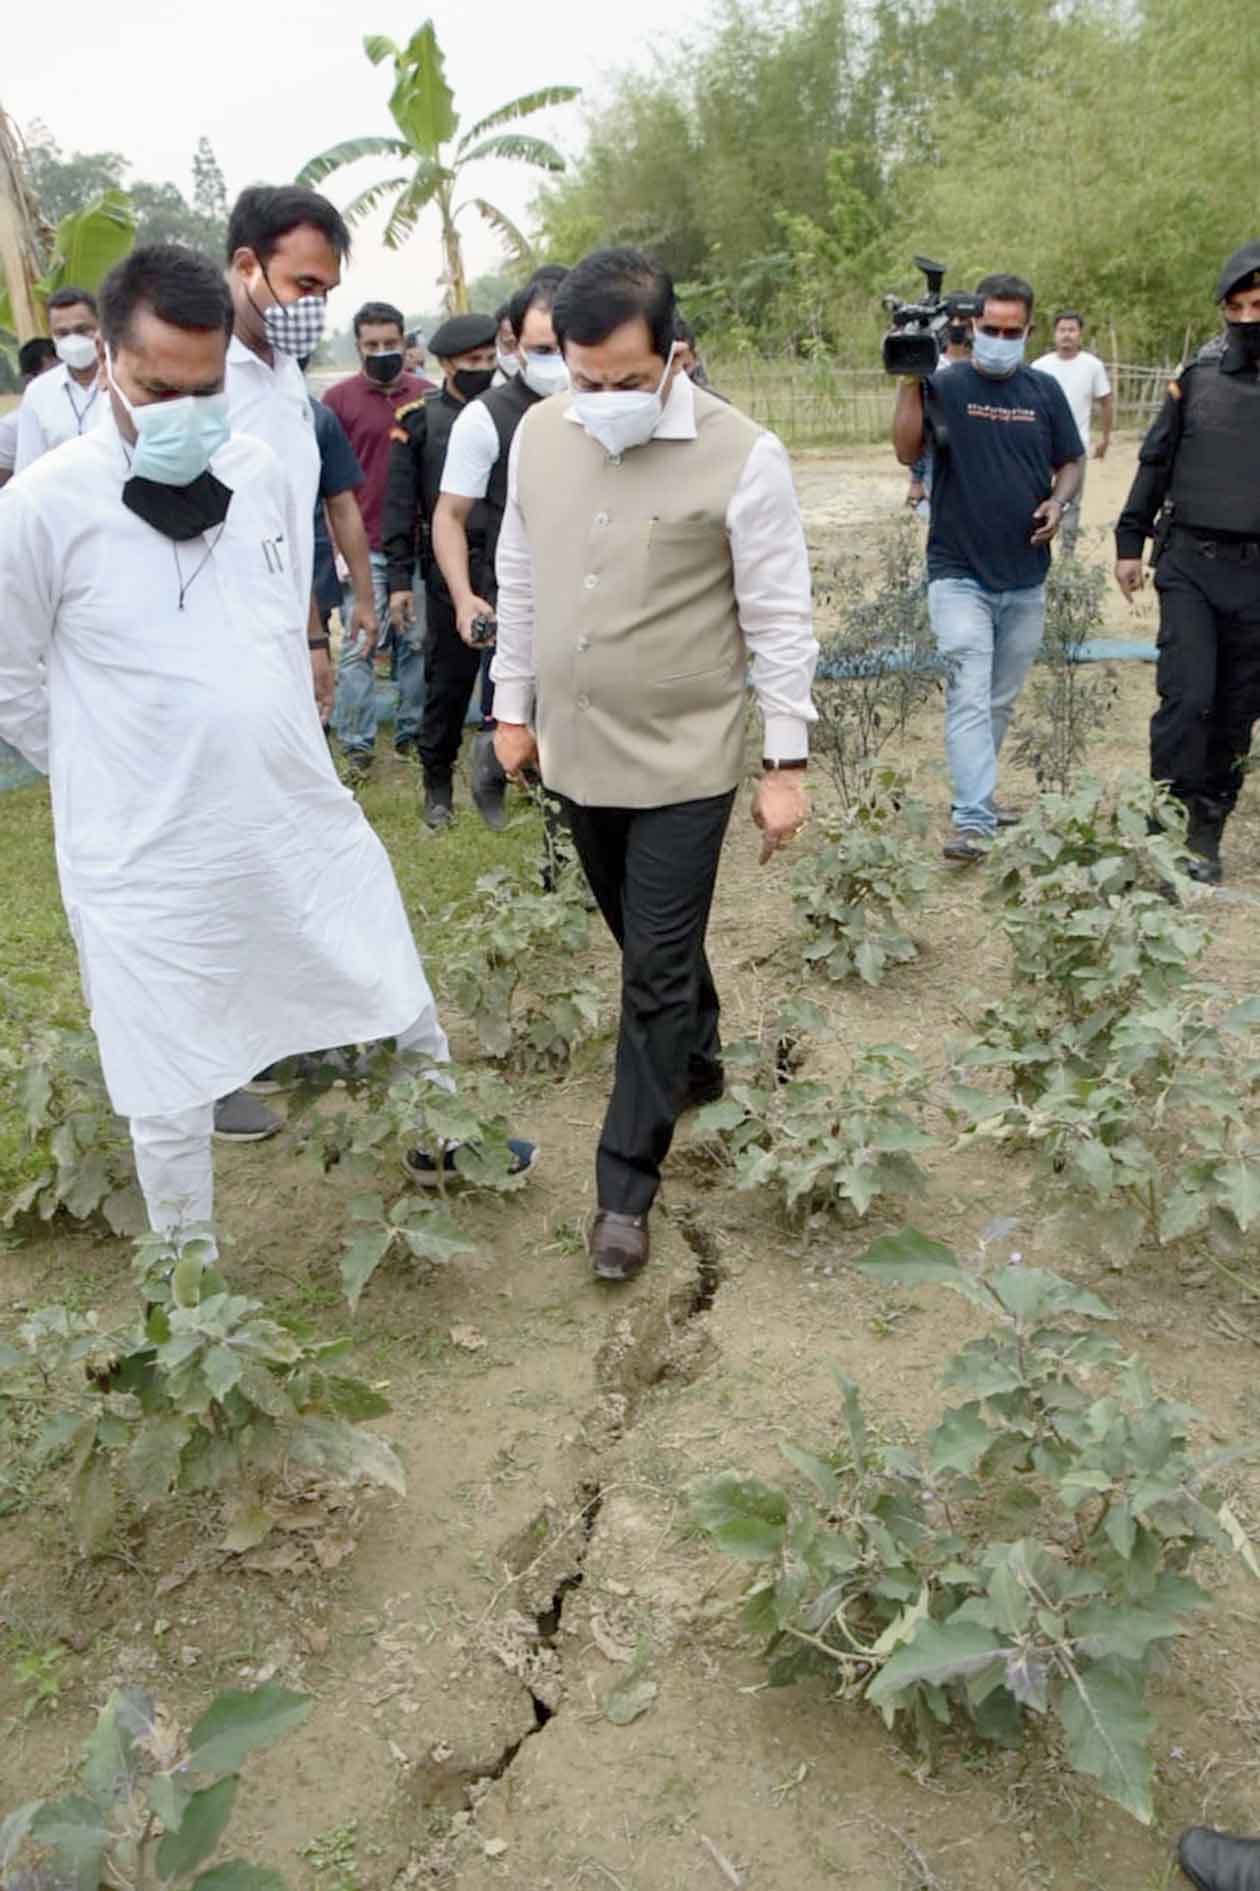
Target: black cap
1242	271
460	334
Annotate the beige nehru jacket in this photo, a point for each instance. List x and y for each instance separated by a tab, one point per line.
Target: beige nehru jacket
639	659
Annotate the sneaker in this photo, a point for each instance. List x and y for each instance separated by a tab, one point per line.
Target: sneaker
358	767
242	1118
438	811
967	845
488	781
1008	817
423	1170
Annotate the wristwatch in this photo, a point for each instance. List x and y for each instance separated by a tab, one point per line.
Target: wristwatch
775	768
319	643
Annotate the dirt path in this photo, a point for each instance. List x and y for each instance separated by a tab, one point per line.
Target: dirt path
461	1645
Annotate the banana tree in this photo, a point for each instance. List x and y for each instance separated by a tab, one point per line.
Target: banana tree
423	109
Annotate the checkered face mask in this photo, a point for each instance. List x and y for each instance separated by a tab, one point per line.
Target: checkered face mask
295	328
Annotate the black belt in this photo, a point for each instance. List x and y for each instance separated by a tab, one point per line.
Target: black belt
1242	551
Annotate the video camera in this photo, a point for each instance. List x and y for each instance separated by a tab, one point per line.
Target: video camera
914	342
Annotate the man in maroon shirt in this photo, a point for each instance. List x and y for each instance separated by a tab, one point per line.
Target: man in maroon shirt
365	405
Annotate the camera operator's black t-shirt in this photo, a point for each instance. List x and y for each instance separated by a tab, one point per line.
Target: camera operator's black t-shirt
1005	440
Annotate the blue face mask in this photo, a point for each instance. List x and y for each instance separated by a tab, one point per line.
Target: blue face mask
995	356
175	440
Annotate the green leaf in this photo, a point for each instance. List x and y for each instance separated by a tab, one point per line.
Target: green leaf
939	1652
525	107
13	1831
154	1459
1239	1186
359	1260
1184	1209
911	1259
199	1831
422	104
75	1833
349	151
92	1502
960	1440
1031	1292
250	1526
343	1451
91	240
238	1875
819	1474
241	1722
167	1797
744	1516
109	1759
854	1422
354	1399
1107	1730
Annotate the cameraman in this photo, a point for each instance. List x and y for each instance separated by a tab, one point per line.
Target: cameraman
958	309
1008	459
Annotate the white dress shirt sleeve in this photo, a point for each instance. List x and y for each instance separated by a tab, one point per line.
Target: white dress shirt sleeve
471	452
1102	386
773	597
8	441
513	667
32	443
26	579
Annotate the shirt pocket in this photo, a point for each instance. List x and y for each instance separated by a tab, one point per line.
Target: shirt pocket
683	556
257	575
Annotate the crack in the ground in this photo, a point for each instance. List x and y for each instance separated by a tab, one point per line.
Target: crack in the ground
648	1344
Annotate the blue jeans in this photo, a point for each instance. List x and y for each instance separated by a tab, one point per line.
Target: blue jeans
354	712
989	639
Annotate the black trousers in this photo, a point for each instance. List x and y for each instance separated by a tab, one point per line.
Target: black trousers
653	871
451	669
1208	672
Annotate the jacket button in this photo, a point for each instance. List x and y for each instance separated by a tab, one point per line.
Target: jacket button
583	702
584	644
590	581
601	518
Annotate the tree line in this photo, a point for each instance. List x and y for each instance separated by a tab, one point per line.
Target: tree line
786	162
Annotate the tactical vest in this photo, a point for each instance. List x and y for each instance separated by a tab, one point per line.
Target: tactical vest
1215	483
440	415
507	406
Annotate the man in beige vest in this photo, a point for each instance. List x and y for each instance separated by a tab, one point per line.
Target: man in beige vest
651	548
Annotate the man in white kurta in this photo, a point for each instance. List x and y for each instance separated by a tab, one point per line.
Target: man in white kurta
230	904
68	400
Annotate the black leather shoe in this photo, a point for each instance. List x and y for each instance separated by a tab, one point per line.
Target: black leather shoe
619	1245
1213	1861
438	811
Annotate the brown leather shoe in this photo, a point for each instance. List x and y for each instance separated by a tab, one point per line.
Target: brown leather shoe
619	1245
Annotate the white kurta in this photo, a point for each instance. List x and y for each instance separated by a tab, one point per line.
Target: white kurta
230	903
56	409
270	401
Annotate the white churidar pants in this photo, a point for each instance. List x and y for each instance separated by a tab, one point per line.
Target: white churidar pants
174	1163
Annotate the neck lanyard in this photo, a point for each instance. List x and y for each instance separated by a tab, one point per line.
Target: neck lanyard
186	584
80	415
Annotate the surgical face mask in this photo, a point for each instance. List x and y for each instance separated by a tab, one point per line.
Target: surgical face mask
383	368
623	418
545	374
509	365
472	381
175	440
77	351
995	356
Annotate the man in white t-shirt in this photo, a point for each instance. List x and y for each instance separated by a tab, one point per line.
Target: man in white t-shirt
35	357
474	480
65	402
1083	379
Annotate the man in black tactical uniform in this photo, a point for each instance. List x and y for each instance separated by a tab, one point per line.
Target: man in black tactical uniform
464	349
1199	471
475	483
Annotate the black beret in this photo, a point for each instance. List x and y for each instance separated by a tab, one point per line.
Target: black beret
1242	271
460	334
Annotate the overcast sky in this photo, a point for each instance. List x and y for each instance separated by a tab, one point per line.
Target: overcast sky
272	85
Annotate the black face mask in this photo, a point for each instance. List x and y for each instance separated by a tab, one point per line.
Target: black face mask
179	512
1244	342
384	368
472	381
958	333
